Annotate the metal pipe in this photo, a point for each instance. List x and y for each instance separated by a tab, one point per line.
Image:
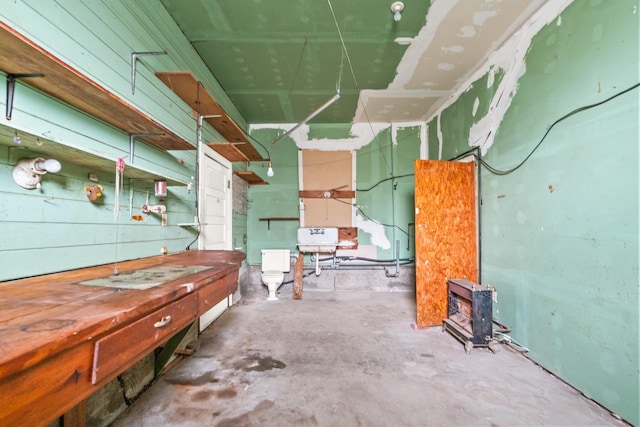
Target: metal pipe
333	99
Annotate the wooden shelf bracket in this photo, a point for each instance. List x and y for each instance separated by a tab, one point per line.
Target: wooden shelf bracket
134	60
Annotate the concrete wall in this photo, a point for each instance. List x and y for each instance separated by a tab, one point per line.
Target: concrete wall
560	234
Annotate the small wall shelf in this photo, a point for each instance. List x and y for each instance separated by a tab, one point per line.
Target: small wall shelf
185	85
278	218
251	177
20	55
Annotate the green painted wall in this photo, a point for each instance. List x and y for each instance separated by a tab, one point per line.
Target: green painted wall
278	199
385	184
57	228
381	198
560	234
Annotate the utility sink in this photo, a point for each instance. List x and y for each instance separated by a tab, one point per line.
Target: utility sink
317	239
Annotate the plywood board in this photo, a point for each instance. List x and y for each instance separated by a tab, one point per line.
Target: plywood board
327	171
446	234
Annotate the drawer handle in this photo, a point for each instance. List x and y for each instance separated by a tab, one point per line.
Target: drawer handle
163	322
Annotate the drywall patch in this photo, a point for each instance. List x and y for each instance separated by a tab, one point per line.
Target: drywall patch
510	58
467	31
362	134
476	104
438	12
395	127
424	143
439	133
375	230
456	48
479	18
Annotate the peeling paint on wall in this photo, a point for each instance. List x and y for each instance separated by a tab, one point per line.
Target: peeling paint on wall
511	59
375	230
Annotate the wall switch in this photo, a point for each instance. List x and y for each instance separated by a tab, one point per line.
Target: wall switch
93	177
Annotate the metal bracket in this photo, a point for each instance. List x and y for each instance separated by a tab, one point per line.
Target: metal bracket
134	60
11	85
132	142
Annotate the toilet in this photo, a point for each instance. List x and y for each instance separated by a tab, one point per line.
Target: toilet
275	262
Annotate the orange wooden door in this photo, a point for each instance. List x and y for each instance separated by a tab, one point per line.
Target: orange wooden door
446	234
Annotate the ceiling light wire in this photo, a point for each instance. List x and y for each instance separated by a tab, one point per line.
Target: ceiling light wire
295	76
355	81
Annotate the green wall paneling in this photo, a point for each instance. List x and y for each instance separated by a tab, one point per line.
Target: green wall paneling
560	235
98	41
390	201
278	199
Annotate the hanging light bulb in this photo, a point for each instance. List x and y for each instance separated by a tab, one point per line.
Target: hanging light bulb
396	8
270	170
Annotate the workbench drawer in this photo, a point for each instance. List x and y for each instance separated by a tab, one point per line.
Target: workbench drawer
215	292
122	348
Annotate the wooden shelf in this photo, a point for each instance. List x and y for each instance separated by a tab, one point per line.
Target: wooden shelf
278	218
185	85
251	177
33	146
20	55
229	151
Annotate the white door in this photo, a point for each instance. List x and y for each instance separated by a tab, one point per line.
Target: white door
215	201
215	214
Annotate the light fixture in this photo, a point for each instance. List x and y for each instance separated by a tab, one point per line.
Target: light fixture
333	99
27	172
396	8
270	170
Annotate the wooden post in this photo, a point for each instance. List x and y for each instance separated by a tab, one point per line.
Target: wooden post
297	276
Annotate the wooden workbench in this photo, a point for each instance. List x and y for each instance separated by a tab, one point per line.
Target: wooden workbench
62	337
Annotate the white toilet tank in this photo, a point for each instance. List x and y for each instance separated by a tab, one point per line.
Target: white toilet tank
276	260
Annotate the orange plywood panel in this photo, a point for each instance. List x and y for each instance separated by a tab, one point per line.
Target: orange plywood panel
446	234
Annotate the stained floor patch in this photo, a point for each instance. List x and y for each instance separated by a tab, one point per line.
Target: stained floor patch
205	378
257	363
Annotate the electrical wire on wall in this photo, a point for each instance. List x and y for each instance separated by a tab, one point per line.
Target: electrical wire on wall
355	81
566	116
197	165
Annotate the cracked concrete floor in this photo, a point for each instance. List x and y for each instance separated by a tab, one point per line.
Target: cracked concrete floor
351	359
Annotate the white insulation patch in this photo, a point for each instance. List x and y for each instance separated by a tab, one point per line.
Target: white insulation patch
375	230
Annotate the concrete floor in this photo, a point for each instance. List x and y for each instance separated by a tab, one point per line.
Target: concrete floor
350	358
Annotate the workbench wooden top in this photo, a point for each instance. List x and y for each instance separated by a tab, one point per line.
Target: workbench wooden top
42	316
